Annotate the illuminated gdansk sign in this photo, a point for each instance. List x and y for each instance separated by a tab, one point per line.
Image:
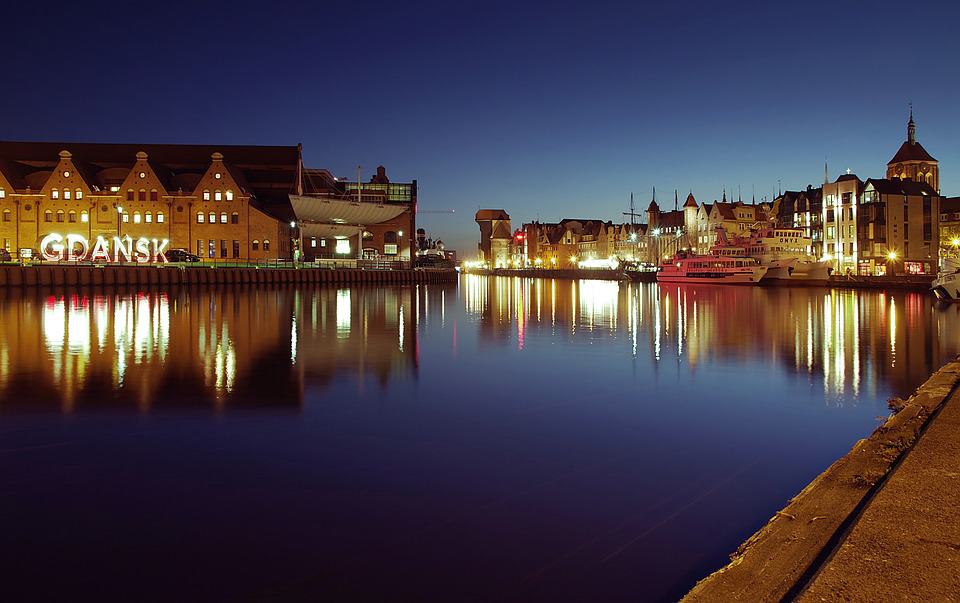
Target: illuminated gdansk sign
76	248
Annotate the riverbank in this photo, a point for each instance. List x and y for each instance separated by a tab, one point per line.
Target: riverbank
881	522
166	274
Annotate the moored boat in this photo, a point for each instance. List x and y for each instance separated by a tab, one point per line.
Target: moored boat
784	251
715	270
946	287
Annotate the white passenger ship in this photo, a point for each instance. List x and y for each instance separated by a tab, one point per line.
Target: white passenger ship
784	251
717	270
946	287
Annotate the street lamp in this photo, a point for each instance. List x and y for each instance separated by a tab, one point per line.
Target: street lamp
119	215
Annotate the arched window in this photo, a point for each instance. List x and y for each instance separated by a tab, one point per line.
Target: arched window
142	195
255	245
266	245
84	216
217	196
48	216
72	216
60	215
159	217
129	194
6	215
54	194
213	218
229	195
79	194
154	195
223	217
148	218
234	218
136	217
66	193
206	195
200	217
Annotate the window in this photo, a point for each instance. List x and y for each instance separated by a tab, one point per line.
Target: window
236	249
223	248
6	215
199	248
84	216
148	218
60	215
159	217
313	242
217	196
48	216
79	194
66	174
54	194
234	218
3	193
129	194
266	245
200	217
212	248
154	195
255	245
213	218
229	195
142	195
72	217
218	175
223	218
126	218
66	193
136	217
206	195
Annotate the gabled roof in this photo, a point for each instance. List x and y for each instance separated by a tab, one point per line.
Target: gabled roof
491	214
690	202
911	152
895	186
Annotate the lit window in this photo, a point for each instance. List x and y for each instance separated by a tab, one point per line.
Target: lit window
200	218
343	246
213	218
72	217
218	196
223	218
313	242
66	194
159	217
66	174
206	195
148	218
136	217
126	218
266	245
84	217
3	193
54	194
229	195
114	189
79	194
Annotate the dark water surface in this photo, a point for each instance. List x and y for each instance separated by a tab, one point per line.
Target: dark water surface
500	440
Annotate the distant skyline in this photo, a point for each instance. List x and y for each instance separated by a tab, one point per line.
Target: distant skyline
548	113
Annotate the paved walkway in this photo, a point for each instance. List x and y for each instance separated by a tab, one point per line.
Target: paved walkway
906	544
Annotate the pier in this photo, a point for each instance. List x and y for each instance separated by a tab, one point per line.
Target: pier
164	275
882	522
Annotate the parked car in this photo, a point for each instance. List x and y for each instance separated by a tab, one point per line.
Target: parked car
181	255
5	256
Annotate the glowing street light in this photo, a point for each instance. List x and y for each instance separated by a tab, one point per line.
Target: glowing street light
892	255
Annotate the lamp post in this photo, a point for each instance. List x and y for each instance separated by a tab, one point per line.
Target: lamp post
294	246
119	216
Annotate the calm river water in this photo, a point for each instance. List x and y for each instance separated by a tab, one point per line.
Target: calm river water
496	440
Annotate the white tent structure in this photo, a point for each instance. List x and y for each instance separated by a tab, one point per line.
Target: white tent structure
333	218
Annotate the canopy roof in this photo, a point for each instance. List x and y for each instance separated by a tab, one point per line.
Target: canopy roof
341	212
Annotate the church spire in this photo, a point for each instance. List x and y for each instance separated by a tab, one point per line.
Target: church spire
911	128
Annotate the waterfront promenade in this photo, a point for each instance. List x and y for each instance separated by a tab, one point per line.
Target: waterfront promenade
882	523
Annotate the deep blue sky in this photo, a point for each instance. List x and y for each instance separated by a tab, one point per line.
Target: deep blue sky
556	112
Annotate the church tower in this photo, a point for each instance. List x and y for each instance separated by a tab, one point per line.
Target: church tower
913	162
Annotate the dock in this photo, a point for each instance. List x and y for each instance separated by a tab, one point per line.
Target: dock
881	523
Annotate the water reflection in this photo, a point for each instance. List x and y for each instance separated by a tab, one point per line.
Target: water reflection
201	347
845	340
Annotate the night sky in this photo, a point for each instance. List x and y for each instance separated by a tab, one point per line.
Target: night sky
550	112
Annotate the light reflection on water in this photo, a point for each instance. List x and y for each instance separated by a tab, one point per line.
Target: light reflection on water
500	439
